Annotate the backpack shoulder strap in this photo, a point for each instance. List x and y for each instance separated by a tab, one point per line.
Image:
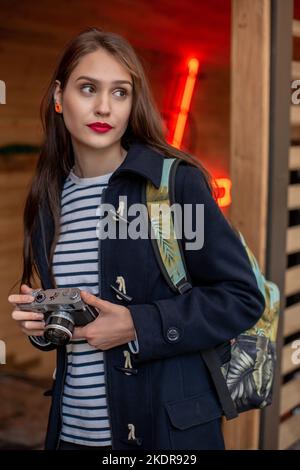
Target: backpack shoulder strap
212	362
170	257
167	249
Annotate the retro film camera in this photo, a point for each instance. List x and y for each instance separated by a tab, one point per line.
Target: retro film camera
63	309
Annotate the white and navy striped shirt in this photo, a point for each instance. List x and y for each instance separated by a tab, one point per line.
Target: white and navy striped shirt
75	263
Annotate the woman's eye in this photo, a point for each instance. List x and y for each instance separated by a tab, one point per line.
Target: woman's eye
90	88
122	92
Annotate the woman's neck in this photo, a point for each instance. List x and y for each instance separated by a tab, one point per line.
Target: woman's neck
90	163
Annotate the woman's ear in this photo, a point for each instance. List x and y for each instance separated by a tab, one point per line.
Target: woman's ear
57	96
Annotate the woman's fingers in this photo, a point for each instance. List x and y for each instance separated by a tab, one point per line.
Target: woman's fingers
20	298
32	328
21	315
32	325
24	297
25	289
32	332
29	322
103	306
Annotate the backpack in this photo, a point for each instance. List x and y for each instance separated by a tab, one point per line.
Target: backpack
245	381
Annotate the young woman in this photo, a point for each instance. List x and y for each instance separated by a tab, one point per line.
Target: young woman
134	377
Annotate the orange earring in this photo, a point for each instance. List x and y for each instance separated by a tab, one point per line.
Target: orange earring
58	107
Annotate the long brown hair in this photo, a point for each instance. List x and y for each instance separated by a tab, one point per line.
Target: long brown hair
56	157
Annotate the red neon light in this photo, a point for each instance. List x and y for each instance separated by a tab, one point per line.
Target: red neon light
223	184
223	191
193	66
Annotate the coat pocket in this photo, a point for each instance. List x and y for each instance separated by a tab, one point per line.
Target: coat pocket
195	422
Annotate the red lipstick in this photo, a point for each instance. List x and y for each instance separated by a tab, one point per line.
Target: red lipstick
100	127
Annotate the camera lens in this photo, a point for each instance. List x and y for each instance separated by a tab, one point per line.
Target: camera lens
59	328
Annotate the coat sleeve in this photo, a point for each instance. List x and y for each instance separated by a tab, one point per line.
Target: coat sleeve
225	299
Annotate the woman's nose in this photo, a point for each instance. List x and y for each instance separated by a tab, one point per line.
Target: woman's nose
102	105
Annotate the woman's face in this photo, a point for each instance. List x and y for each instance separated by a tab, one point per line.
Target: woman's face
99	90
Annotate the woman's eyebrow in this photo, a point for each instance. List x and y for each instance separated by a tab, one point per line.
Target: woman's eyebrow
119	82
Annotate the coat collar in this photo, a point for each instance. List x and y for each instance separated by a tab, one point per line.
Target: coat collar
144	161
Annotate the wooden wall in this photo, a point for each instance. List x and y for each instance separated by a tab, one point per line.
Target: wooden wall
31	37
14	180
289	432
250	84
253	154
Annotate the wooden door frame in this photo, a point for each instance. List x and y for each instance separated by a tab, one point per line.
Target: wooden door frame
260	141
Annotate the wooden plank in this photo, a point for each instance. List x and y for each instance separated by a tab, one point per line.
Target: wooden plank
292	280
295	70
289	432
250	54
287	365
250	137
12	198
295	115
294	196
294	157
296	28
290	396
292	320
293	239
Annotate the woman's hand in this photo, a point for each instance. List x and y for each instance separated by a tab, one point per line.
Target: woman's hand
113	327
31	323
